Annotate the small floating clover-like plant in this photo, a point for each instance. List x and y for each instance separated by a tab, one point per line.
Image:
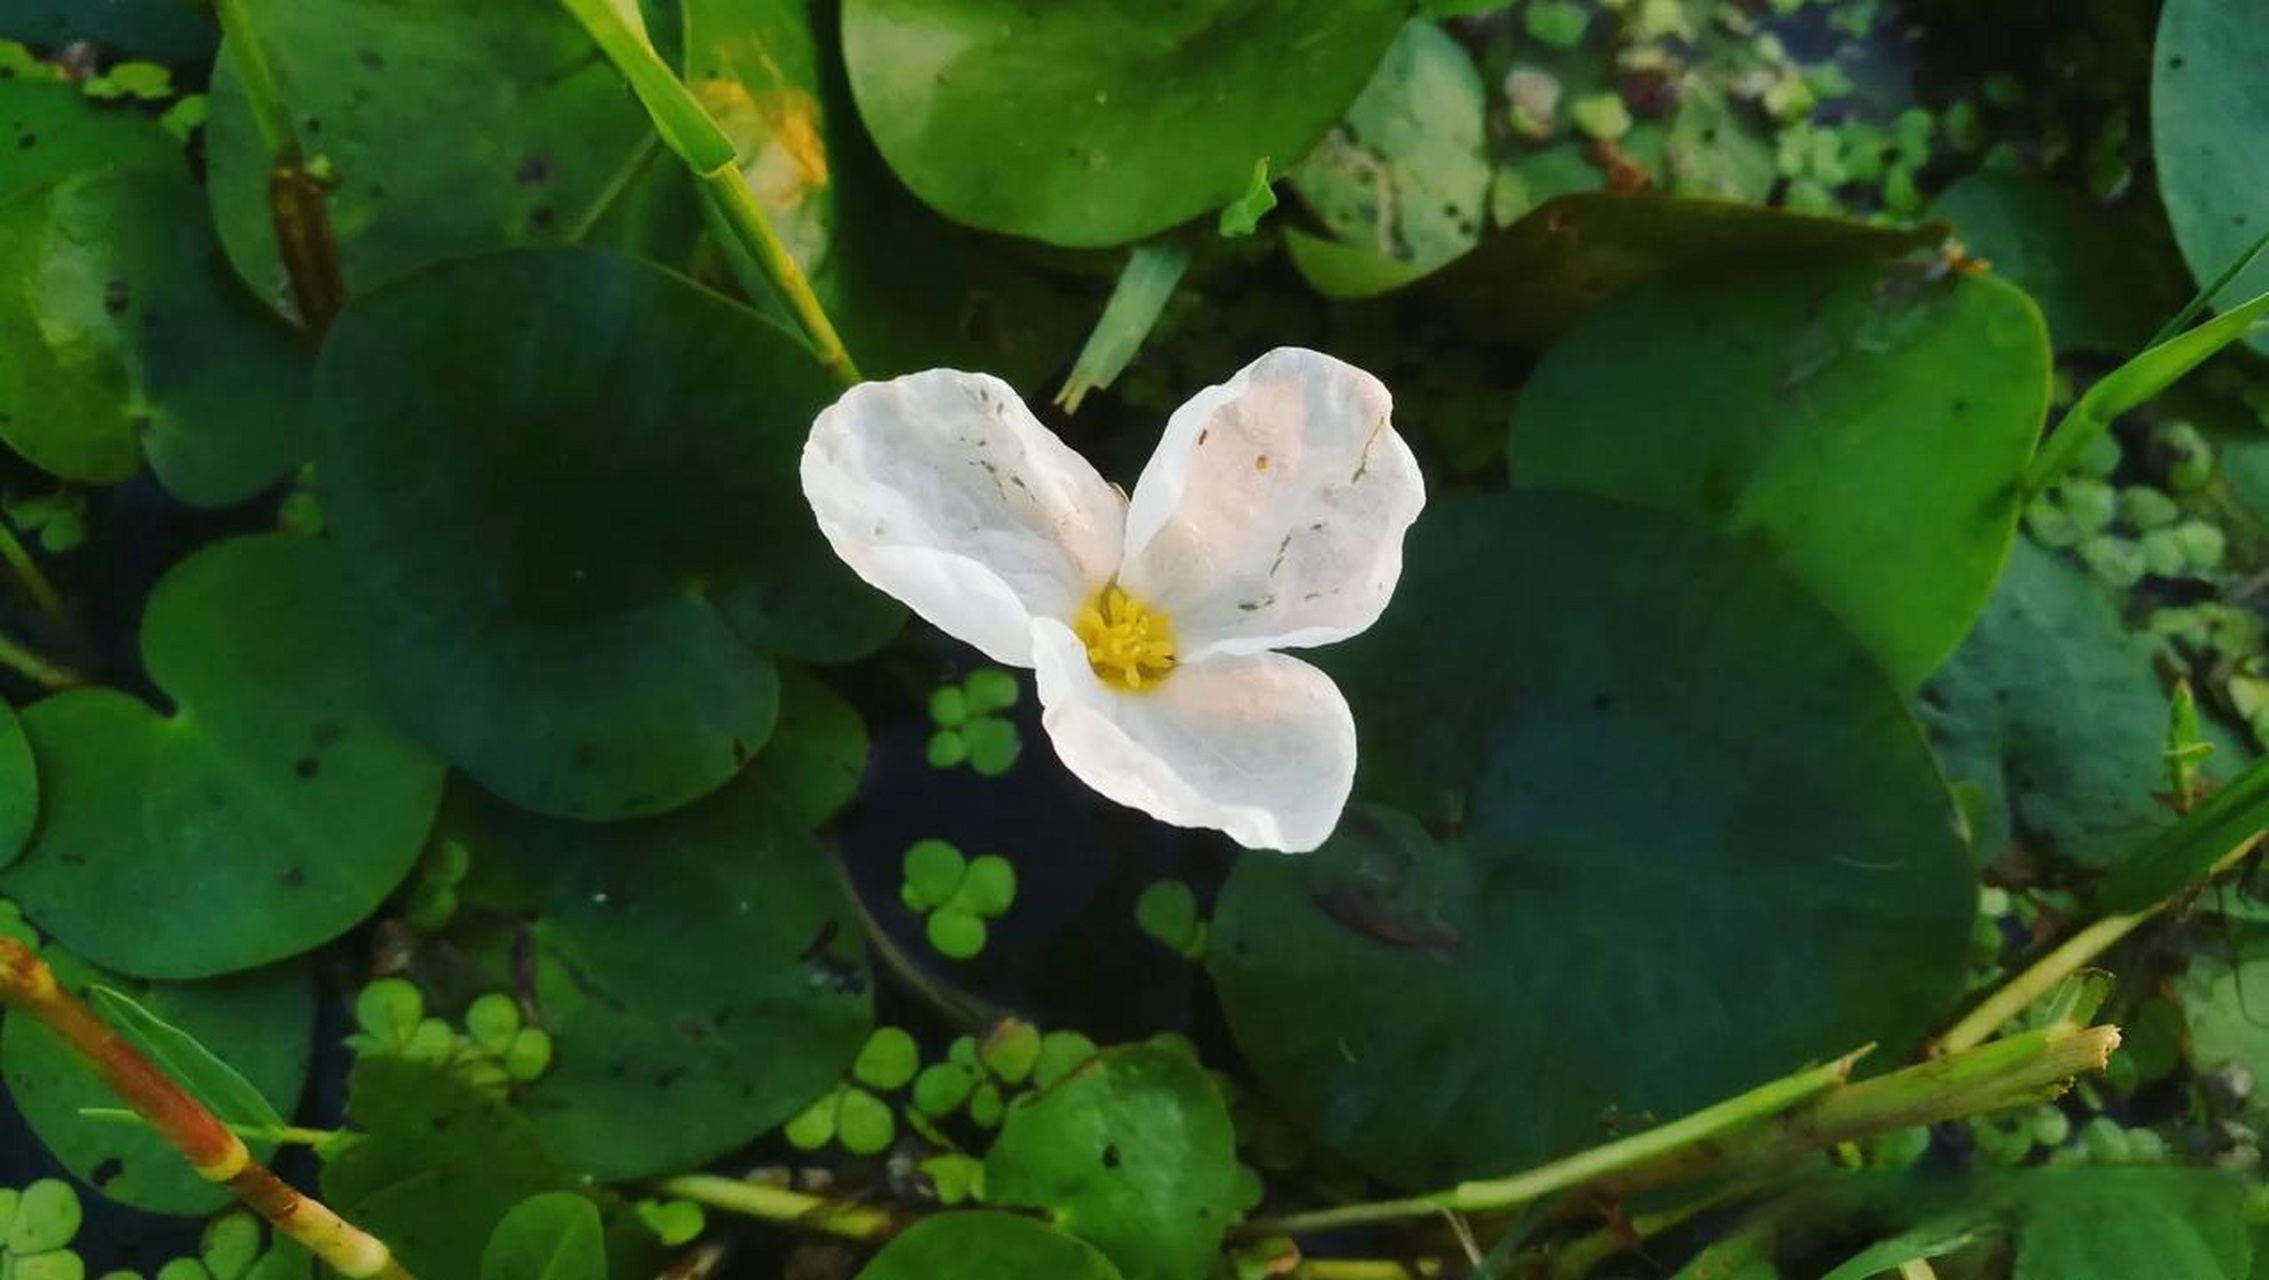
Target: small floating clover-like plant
1271	517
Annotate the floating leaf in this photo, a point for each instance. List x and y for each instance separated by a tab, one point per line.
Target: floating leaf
439	1166
1133	1153
563	488
2169	1224
1870	426
454	129
985	1246
272	810
264	1020
2210	121
2055	712
125	336
1693	812
1406	175
19	786
1533	280
818	750
50	130
1001	115
2096	283
552	1236
699	976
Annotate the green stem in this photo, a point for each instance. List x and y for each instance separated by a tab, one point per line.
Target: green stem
777	1204
42	593
2043	975
1365	1269
686	126
630	171
258	78
35	668
1764	1129
276	1133
1581	1256
729	194
1702	1129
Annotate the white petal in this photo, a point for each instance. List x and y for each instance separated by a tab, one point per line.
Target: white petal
1272	515
943	490
1261	746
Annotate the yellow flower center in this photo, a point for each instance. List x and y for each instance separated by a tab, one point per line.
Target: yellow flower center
1129	644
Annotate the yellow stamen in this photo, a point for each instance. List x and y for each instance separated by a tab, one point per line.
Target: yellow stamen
1129	644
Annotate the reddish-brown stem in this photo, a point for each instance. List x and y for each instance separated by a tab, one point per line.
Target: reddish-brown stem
28	987
304	242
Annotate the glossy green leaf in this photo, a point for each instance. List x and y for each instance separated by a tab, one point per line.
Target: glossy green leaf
1694	812
1868	425
699	974
125	336
439	1166
563	489
552	1236
2109	1224
19	786
985	1246
278	796
2209	126
1002	115
1406	174
168	30
2055	712
1533	280
49	130
2097	283
772	75
818	751
263	1020
454	129
1133	1153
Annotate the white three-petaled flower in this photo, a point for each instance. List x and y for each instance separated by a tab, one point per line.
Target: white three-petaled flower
1271	517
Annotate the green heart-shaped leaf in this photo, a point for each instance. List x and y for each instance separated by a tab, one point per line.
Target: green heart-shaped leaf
985	1246
2209	127
2054	710
552	1236
454	129
1869	425
2100	287
1133	1153
273	809
438	1166
563	486
125	336
262	1020
707	958
1694	814
1099	124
